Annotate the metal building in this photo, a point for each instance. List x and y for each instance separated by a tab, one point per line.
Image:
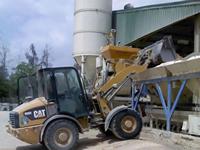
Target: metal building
142	26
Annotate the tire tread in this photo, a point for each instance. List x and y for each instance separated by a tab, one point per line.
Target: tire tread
116	128
62	122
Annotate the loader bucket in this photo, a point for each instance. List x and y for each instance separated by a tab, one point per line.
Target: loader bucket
161	51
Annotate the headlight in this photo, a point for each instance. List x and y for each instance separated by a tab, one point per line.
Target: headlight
24	120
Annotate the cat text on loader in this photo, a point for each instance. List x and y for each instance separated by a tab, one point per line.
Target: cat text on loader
61	110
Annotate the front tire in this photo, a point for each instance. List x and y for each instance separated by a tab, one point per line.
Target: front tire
61	135
126	124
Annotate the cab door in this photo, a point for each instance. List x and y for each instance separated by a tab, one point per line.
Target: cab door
70	96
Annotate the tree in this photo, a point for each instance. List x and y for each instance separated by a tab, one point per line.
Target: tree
3	61
4	83
4	87
30	66
32	57
22	69
45	57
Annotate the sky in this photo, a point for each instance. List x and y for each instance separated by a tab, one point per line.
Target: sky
44	22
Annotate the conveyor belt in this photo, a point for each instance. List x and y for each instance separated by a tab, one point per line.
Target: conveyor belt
181	69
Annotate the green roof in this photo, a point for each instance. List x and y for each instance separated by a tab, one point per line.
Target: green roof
133	24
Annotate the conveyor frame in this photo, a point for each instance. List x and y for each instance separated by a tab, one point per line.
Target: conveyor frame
168	107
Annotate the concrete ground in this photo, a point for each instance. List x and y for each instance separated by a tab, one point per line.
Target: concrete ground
88	141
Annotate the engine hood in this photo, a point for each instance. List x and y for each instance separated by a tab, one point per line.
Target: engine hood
38	102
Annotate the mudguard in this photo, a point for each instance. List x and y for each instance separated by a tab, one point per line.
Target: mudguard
112	114
56	117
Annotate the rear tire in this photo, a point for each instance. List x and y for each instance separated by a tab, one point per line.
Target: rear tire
61	135
126	124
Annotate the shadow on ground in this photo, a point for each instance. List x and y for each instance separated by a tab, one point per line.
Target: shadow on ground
31	147
83	143
86	142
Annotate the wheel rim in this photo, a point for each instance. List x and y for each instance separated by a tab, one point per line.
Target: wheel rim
128	124
63	137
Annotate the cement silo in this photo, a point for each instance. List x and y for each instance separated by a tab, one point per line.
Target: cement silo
92	23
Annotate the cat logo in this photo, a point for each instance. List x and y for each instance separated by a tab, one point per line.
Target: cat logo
36	113
39	114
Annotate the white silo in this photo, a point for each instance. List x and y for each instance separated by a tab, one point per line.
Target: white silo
92	23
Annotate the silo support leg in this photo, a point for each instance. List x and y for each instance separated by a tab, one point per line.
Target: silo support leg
168	110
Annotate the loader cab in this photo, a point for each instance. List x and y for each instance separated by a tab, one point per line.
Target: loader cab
27	88
63	87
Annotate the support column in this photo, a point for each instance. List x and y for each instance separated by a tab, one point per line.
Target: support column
197	34
196	48
83	61
169	101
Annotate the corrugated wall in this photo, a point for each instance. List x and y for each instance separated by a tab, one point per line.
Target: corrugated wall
136	23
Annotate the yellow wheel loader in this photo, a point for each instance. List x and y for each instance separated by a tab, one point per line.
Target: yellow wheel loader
60	108
63	110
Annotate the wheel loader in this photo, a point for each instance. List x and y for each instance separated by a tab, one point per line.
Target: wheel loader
61	108
62	111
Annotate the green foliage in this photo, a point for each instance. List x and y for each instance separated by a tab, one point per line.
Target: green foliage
22	69
28	68
8	83
4	86
4	82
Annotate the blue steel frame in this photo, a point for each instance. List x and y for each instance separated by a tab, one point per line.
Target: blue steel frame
168	109
136	96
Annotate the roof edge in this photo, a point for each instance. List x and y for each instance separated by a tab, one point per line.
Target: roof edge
159	6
